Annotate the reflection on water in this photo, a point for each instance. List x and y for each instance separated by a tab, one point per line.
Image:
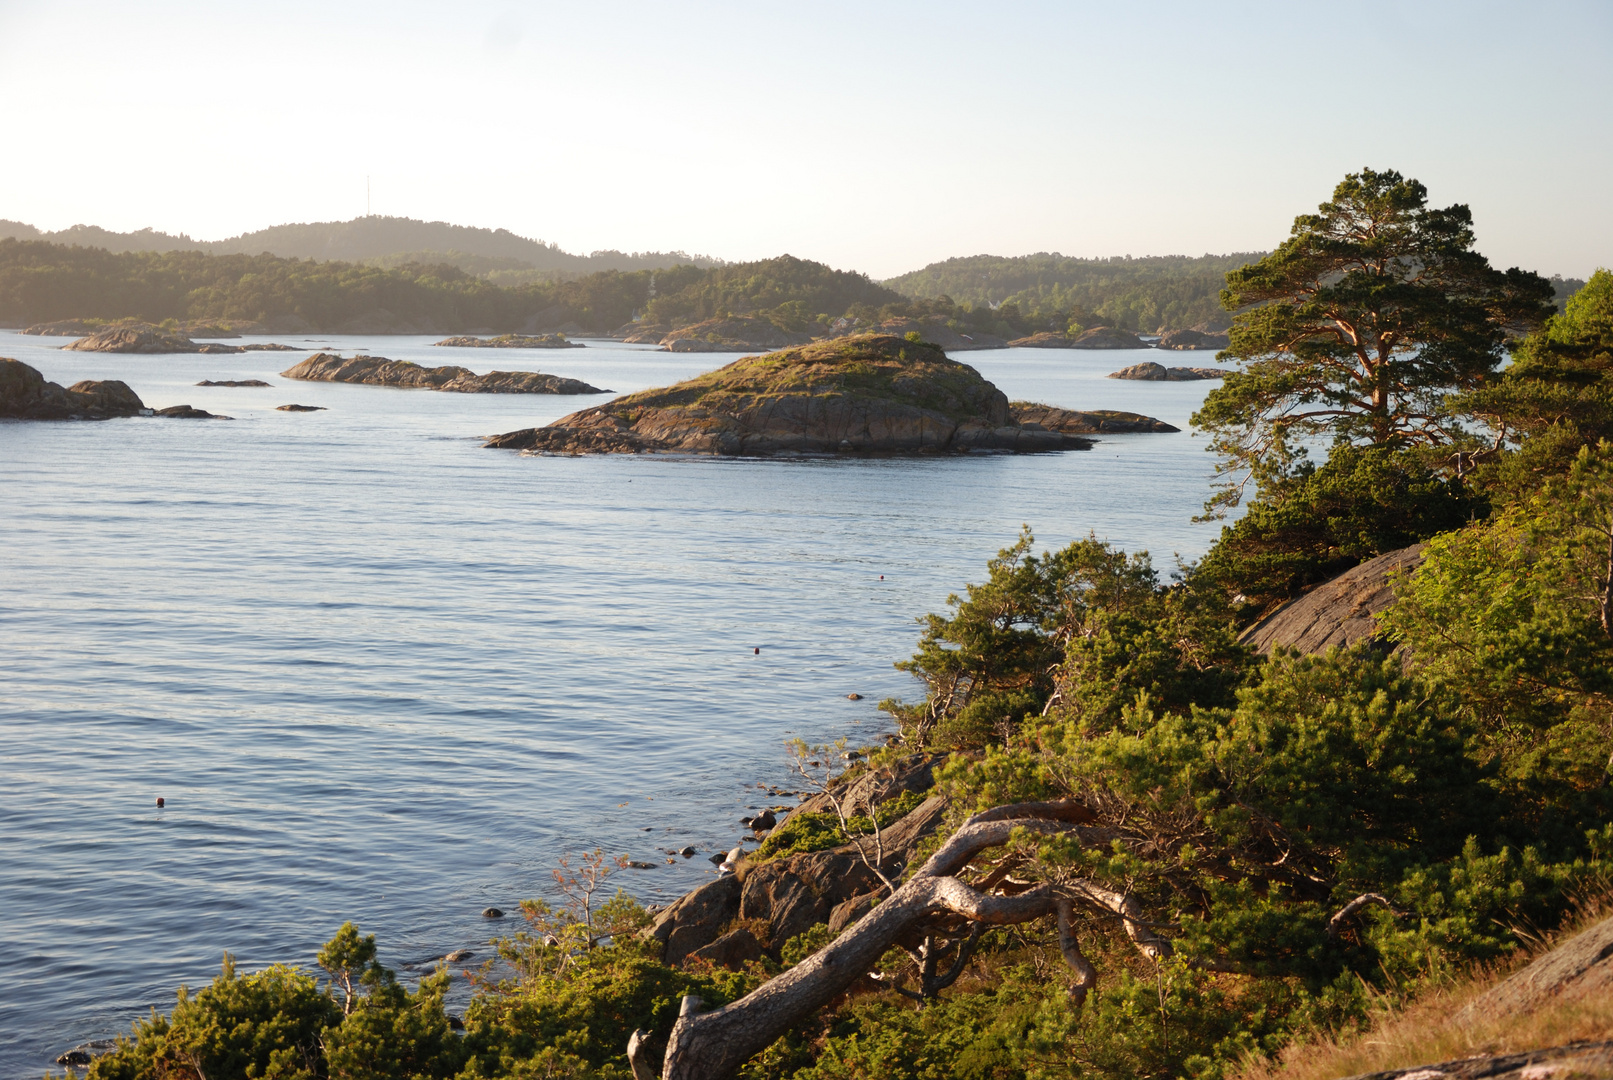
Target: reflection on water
379	673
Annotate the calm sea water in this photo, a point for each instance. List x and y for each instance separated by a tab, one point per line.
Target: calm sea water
379	673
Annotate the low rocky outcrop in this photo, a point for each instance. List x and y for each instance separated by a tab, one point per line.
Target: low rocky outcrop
738	333
212	347
1047	339
379	371
151	340
1580	969
512	341
793	894
299	408
26	395
1338	612
873	394
1190	339
232	382
1108	337
186	412
1149	371
695	919
134	339
1087	422
742	916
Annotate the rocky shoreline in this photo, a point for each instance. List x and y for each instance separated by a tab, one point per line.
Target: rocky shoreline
380	371
26	395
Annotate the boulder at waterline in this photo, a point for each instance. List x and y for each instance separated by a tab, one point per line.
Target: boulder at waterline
299	408
379	371
26	395
874	394
1148	371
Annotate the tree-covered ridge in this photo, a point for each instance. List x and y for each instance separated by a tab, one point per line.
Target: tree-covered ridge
363	239
44	282
1164	292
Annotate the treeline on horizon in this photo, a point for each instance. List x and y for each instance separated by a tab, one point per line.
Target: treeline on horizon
426	291
375	238
45	282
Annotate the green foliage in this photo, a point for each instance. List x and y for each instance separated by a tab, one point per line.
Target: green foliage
1055	292
1557	397
1360	326
1081	630
588	1012
820	831
1312	524
268	1024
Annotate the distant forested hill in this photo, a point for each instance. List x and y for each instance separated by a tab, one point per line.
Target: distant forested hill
44	282
392	239
1146	294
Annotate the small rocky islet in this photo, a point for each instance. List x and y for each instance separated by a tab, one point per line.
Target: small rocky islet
512	341
875	394
380	371
1148	371
151	340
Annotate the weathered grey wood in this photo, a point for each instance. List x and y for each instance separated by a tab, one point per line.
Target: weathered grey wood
712	1046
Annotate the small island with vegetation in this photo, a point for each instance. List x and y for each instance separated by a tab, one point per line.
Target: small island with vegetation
873	395
379	371
512	341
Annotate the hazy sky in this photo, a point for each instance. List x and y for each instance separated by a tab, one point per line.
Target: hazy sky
875	136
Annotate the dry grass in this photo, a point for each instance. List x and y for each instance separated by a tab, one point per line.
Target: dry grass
1429	1031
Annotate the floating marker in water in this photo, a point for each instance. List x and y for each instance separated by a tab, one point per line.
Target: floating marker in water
159	802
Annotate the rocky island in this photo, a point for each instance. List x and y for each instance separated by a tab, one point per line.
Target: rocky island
874	394
379	371
1148	371
26	395
512	341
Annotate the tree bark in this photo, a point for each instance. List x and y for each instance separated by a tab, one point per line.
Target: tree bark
712	1046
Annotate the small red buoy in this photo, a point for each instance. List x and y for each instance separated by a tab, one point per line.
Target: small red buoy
159	801
758	651
882	577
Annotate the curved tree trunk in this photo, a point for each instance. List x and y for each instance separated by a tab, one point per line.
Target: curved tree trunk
712	1046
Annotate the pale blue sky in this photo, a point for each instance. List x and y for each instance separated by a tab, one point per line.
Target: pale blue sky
871	136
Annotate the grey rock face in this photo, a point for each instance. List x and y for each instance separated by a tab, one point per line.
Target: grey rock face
1338	612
